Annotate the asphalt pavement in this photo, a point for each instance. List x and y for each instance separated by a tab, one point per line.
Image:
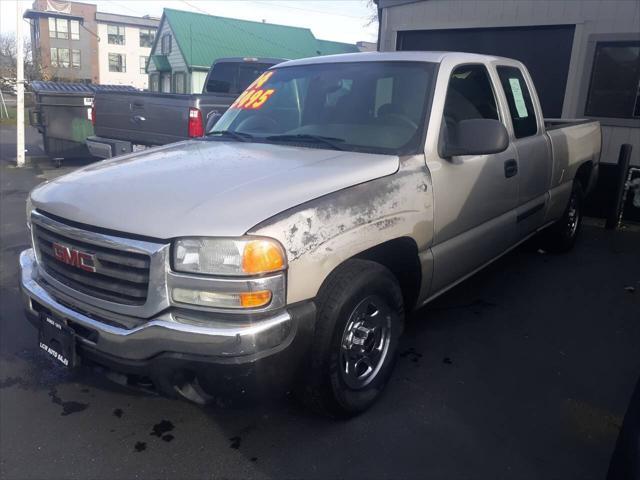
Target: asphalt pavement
522	372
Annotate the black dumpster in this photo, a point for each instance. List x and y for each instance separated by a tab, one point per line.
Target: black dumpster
62	113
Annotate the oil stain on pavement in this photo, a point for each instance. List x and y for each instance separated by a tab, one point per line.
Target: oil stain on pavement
67	407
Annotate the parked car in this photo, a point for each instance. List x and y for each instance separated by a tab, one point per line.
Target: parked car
336	195
133	121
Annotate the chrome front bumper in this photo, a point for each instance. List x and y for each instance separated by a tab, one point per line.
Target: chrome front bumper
216	335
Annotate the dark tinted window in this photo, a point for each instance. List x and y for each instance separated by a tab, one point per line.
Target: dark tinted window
233	77
615	81
515	88
247	73
222	78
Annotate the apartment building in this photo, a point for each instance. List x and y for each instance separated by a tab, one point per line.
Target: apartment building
72	41
65	45
124	48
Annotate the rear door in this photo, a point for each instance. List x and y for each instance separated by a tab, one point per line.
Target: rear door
533	149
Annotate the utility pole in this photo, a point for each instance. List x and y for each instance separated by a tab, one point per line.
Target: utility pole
20	85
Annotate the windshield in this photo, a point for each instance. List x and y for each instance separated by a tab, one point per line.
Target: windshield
377	107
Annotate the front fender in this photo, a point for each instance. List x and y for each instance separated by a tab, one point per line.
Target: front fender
321	234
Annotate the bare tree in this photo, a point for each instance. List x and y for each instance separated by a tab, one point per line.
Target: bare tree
372	19
8	55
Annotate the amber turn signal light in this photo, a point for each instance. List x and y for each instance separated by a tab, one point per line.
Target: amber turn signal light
262	256
255	299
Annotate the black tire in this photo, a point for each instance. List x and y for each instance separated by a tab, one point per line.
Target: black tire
354	291
562	235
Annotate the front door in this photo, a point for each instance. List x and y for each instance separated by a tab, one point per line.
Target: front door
533	151
475	195
166	82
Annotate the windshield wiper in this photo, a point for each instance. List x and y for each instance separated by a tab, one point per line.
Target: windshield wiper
241	136
332	142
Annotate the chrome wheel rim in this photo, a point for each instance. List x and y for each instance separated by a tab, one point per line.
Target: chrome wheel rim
573	216
365	342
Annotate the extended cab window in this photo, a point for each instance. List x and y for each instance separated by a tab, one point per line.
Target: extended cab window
515	88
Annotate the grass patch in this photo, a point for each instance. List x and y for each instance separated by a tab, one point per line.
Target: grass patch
12	110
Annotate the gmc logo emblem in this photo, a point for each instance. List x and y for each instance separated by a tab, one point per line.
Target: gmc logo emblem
76	258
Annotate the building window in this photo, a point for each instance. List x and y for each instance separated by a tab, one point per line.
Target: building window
58	28
166	44
115	34
75	29
179	82
117	62
147	36
60	57
614	91
144	61
75	58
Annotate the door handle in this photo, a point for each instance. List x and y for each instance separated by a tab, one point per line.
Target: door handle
510	168
139	118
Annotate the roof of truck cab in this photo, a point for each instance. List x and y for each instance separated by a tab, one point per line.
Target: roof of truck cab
426	56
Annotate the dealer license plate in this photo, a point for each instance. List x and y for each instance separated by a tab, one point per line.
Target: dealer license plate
57	340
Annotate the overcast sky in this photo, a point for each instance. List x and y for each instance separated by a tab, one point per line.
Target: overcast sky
340	20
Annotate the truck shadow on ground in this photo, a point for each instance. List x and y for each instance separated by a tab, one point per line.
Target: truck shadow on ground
528	358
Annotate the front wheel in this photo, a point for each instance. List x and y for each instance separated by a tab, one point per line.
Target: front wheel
360	319
562	235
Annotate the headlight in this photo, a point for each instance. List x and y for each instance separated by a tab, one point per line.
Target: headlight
244	273
226	256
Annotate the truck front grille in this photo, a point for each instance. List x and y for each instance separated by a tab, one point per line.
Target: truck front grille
102	272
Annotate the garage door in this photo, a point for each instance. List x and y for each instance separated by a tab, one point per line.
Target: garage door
546	51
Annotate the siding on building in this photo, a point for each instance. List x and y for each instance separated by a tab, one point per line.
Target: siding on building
175	58
197	80
593	20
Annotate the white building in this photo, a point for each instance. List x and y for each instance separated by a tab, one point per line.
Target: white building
583	55
124	46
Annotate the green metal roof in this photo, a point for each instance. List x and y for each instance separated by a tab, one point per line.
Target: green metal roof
161	63
203	38
328	47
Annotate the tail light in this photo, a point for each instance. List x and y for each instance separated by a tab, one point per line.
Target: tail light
93	114
196	127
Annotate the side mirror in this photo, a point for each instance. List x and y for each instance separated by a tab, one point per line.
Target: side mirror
212	119
478	136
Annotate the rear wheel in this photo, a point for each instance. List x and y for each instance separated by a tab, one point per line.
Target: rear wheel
561	236
360	319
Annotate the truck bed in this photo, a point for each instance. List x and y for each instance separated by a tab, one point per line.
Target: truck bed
573	142
152	118
554	123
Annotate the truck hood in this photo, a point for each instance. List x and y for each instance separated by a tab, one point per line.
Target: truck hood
207	188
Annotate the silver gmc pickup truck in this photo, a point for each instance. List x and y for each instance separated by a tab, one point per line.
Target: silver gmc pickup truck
285	247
